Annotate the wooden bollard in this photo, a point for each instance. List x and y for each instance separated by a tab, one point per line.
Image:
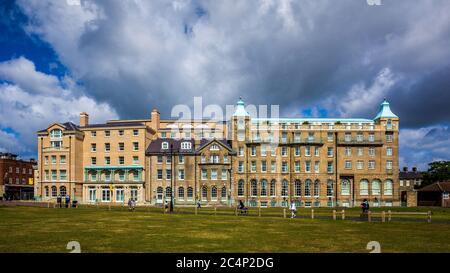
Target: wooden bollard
429	216
334	214
369	216
284	212
383	216
389	215
343	215
259	211
312	213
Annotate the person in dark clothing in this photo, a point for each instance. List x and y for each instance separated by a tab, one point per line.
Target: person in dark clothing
365	206
67	201
58	201
242	207
199	205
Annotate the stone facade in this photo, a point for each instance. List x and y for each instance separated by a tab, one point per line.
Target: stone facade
261	161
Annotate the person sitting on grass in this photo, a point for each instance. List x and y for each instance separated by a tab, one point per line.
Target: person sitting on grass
293	210
242	207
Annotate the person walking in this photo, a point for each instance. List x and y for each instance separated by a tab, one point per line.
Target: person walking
199	205
67	201
58	201
293	210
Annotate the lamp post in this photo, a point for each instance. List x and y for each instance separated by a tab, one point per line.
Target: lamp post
229	189
171	178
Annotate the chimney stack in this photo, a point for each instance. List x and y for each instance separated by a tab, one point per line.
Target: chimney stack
155	118
84	119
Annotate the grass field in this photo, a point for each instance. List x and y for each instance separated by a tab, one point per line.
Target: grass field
33	229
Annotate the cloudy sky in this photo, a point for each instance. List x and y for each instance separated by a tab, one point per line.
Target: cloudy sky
325	58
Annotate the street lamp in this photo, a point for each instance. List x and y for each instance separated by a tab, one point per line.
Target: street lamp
171	178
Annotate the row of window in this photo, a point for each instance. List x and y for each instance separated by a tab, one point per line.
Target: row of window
120	160
116	176
313	189
120	147
24	170
119	194
53	175
10	180
107	133
214	193
267	149
308	166
53	158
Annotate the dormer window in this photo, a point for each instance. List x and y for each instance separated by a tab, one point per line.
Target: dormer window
186	145
56	133
164	145
214	147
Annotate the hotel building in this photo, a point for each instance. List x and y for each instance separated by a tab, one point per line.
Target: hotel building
262	161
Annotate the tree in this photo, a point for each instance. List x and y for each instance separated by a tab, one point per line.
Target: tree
437	171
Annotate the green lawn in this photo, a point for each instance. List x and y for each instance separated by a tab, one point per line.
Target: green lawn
31	229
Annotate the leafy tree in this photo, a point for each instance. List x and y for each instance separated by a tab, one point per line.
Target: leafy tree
437	171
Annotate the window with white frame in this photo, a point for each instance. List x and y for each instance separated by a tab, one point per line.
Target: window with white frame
241	188
284	188
348	137
360	164
224	174
307	151
253	166
308	188
389	151
371	151
241	166
284	167
298	188
297	151
190	193
317	151
360	151
316	188
263	187
273	185
253	151
106	195
330	167
388	187
165	145
213	174
348	164
330	152
330	188
345	187
181	174
284	151
371	164
364	187
159	174
214	147
348	151
180	193
297	166
376	187
254	188
316	166
263	166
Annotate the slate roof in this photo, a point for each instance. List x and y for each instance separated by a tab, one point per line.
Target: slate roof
114	124
411	175
437	187
69	126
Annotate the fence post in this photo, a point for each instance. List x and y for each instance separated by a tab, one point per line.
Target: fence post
343	214
369	216
383	216
312	213
389	215
429	216
259	211
284	212
334	214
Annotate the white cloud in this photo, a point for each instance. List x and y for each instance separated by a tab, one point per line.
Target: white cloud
29	106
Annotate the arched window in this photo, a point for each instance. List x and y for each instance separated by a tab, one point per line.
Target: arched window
47	192
214	193
204	193
181	193
190	193
241	188
263	187
165	145
388	187
376	187
254	188
345	187
159	190
223	193
316	188
330	188
273	187
54	191
364	187
284	188
62	191
298	188
168	191
308	188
